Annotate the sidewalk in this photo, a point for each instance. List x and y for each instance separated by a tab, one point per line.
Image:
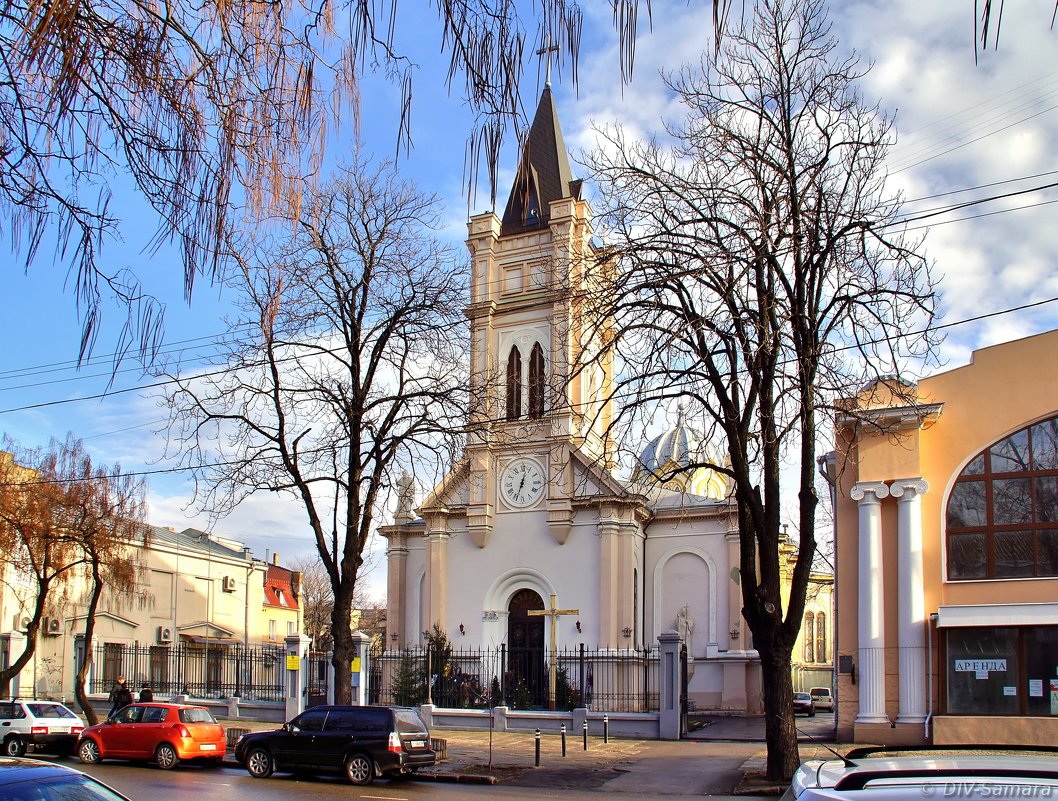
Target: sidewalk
647	768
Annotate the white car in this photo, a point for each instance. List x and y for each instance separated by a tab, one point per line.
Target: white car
38	725
822	698
919	774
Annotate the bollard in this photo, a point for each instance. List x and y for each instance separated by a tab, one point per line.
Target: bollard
563	739
585	735
606	728
538	747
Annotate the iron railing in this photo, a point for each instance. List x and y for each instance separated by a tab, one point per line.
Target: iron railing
192	669
610	680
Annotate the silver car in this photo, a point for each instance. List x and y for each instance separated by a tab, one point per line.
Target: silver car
976	772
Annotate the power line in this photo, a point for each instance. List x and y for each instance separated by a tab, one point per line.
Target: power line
615	397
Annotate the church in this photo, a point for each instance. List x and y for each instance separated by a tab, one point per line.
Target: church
533	519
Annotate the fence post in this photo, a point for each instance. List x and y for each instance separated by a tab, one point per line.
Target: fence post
669	685
296	668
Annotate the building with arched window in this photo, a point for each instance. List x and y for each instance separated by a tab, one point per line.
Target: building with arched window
947	553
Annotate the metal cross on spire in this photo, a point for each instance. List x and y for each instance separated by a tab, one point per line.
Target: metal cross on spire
546	51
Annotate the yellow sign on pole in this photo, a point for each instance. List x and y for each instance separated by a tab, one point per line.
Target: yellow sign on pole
356	665
293	662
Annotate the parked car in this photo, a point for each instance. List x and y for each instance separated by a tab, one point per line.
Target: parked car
165	733
964	772
32	780
360	741
802	704
822	698
38	726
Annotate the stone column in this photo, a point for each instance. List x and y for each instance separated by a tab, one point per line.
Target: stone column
911	612
436	575
871	668
734	634
608	584
396	589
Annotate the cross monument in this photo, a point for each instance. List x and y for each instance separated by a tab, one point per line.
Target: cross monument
554	614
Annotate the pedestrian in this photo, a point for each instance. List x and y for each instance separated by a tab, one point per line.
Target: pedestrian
146	694
120	696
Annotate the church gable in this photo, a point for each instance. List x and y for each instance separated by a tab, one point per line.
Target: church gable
453	491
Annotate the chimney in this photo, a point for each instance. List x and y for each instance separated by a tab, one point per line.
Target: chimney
275	558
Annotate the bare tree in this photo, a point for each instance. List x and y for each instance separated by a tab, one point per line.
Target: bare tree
107	511
317	600
353	371
210	106
763	274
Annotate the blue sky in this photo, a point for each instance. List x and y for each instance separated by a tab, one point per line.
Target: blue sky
991	128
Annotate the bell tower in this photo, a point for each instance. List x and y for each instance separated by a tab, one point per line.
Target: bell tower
536	397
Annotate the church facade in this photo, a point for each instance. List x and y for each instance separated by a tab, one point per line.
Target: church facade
533	517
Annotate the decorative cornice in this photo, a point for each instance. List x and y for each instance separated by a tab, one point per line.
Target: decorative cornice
891	418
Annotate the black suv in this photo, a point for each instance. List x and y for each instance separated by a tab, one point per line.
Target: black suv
361	741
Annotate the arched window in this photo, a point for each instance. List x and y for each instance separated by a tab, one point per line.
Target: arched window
536	382
514	384
809	638
821	637
1002	514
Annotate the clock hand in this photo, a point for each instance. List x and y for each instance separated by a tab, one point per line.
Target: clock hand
521	484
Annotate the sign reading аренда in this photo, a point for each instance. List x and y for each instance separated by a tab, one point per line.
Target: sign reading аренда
981	665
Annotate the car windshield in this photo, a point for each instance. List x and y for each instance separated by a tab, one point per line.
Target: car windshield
50	711
74	787
196	715
801	696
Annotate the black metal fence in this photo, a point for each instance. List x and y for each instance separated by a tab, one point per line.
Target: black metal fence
197	670
612	680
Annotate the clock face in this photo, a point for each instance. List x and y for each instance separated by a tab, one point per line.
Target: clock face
522	483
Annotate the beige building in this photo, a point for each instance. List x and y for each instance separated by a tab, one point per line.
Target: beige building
947	554
812	660
197	591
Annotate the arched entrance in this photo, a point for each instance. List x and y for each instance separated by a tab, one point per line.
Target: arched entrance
526	680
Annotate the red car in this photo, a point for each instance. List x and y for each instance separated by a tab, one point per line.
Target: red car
164	733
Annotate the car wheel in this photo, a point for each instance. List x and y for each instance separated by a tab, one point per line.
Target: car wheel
14	747
166	756
259	763
88	751
359	770
811	714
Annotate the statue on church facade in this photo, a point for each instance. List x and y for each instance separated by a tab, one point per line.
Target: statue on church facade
685	625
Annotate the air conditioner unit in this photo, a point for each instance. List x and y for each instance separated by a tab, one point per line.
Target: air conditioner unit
53	626
229	584
165	634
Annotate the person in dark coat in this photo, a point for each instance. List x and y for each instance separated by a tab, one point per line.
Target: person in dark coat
146	694
120	696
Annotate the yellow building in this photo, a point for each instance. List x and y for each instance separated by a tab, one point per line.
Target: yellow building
947	553
200	599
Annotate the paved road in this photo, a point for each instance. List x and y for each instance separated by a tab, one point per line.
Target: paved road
147	783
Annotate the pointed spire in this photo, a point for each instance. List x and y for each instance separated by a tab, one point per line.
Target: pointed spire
544	173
